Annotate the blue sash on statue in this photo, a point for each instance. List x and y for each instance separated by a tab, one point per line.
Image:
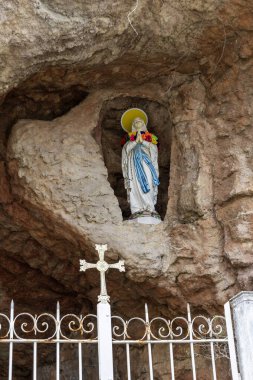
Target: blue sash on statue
139	156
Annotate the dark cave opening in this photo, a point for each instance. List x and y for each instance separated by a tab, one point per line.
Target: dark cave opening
40	103
111	134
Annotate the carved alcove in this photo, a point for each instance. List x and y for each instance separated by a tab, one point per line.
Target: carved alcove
111	134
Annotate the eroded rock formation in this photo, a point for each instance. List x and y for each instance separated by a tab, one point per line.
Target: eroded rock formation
67	71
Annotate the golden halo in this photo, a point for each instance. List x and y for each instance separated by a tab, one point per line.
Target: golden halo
128	117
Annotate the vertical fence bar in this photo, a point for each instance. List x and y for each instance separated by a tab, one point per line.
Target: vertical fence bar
231	342
150	361
35	361
172	369
212	354
58	318
80	361
11	343
191	344
213	362
128	362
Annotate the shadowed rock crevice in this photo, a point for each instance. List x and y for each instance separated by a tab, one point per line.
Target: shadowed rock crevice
111	134
35	100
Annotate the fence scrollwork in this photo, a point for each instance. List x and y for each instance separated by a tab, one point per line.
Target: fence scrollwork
47	327
159	328
78	327
134	328
4	326
179	328
28	326
204	328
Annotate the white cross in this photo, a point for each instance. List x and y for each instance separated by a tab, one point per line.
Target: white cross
102	266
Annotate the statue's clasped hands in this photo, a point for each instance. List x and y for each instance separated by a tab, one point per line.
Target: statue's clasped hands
139	137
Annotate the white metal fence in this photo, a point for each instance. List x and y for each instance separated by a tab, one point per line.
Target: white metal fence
105	331
193	332
59	330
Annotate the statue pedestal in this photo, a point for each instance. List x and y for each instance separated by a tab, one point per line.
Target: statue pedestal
145	220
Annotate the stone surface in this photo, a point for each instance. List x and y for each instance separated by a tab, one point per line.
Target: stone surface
67	71
145	220
55	168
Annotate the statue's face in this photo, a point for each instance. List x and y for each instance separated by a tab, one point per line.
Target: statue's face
138	125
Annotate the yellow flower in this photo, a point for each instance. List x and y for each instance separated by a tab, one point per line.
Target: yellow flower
154	140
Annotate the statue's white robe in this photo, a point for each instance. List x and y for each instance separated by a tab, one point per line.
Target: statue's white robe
139	201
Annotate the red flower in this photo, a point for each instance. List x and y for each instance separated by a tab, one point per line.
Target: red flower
148	138
123	141
132	138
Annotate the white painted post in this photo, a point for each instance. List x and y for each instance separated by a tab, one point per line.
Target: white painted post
231	342
105	357
242	310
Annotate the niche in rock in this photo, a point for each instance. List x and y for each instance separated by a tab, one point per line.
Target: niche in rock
111	133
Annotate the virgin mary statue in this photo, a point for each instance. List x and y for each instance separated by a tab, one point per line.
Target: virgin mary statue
140	166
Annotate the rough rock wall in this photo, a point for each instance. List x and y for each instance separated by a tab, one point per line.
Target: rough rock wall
186	35
55	168
195	59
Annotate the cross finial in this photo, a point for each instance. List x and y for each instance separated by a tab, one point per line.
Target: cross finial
102	266
101	248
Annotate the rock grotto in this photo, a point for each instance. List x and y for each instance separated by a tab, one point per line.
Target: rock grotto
68	71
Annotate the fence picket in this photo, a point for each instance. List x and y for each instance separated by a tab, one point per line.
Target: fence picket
191	344
150	362
35	361
11	341
80	361
128	362
58	318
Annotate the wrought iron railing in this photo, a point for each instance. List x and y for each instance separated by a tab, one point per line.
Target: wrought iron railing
47	328
180	330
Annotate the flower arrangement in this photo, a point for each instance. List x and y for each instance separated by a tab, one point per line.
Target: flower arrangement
146	136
